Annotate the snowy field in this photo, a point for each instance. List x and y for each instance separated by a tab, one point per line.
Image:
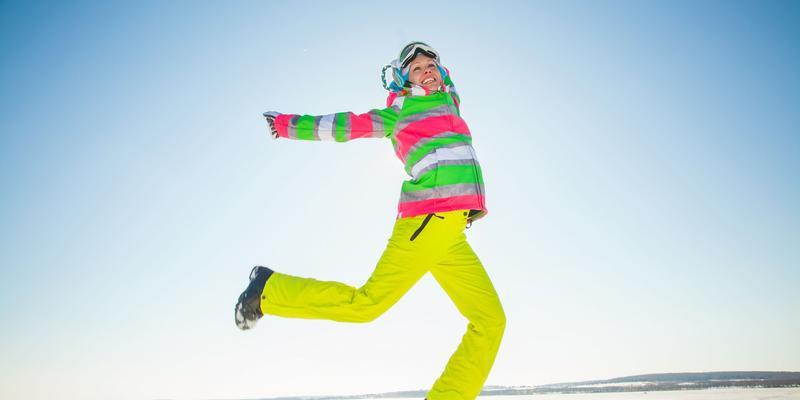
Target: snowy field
707	394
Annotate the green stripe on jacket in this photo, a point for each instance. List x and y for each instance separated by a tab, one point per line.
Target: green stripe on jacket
305	127
445	175
429	145
418	104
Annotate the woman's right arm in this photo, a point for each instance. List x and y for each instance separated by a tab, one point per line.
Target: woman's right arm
338	127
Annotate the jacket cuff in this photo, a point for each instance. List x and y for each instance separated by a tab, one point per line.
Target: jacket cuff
282	122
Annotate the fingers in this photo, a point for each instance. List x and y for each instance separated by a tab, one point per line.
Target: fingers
272	129
270	116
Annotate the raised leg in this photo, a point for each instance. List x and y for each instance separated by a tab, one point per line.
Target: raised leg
401	265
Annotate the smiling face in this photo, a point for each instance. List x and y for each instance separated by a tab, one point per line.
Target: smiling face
423	71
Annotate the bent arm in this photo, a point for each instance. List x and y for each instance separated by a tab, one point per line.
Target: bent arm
339	127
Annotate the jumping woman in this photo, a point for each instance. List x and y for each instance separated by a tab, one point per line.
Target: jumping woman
442	198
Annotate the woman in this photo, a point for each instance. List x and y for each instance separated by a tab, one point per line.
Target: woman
443	197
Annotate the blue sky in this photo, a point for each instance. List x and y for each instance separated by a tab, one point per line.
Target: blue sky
640	161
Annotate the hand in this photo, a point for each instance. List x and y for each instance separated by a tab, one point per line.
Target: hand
270	116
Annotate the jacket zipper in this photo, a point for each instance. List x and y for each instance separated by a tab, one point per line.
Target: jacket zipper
477	184
424	222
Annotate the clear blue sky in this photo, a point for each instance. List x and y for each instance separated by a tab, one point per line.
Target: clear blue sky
641	167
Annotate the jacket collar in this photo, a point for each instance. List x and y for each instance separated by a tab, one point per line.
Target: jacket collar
396	98
415	90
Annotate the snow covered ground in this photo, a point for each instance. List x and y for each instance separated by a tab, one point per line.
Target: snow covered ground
707	394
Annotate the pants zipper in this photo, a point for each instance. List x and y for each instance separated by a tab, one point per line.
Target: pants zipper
424	222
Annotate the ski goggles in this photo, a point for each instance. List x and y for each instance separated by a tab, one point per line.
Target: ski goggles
414	49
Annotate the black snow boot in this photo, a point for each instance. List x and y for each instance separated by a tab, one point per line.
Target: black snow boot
248	308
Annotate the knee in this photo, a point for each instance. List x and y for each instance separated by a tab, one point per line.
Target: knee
370	312
494	322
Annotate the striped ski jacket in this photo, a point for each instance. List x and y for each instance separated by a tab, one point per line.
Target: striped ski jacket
429	137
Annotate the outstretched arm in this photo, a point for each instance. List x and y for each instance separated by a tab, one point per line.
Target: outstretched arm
339	127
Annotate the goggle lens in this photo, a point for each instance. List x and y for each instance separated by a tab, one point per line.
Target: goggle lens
413	50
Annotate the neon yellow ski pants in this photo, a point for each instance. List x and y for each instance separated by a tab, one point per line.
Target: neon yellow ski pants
439	245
